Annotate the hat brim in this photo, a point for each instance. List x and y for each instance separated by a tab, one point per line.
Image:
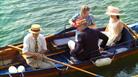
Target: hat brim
113	13
33	31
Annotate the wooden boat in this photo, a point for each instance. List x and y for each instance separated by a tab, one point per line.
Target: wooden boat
57	43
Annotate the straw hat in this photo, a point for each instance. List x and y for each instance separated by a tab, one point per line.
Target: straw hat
111	10
35	28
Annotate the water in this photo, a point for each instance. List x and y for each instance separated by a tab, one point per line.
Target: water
16	16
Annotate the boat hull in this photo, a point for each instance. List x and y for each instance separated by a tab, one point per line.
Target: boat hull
52	72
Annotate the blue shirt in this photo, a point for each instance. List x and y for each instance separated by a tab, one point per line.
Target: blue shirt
89	19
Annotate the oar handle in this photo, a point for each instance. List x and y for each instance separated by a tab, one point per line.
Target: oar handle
15	47
79	69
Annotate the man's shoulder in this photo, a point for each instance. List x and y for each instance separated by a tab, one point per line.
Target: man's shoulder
91	17
76	16
41	36
92	30
28	35
81	34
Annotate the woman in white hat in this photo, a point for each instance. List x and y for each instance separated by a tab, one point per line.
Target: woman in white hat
115	25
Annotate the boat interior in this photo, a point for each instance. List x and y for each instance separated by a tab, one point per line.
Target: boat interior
59	42
127	42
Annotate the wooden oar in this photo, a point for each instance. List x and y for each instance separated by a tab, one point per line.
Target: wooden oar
50	54
135	76
6	66
55	61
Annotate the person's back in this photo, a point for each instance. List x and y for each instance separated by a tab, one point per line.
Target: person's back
90	38
87	45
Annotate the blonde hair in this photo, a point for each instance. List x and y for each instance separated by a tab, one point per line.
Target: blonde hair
84	8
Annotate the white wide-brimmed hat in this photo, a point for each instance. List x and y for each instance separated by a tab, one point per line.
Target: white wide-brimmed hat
111	10
35	28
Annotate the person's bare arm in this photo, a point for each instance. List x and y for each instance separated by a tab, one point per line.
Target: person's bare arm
118	29
106	29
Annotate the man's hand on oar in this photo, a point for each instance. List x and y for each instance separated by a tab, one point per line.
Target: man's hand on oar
38	56
56	61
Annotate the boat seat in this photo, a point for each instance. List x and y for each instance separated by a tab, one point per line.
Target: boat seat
126	38
62	41
134	27
116	50
124	44
120	50
106	53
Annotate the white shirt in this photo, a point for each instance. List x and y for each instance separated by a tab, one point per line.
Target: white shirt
112	26
29	43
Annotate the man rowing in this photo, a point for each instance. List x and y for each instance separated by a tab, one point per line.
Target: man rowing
34	45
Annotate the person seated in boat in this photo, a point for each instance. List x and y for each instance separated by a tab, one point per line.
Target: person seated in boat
115	26
87	47
83	16
34	45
